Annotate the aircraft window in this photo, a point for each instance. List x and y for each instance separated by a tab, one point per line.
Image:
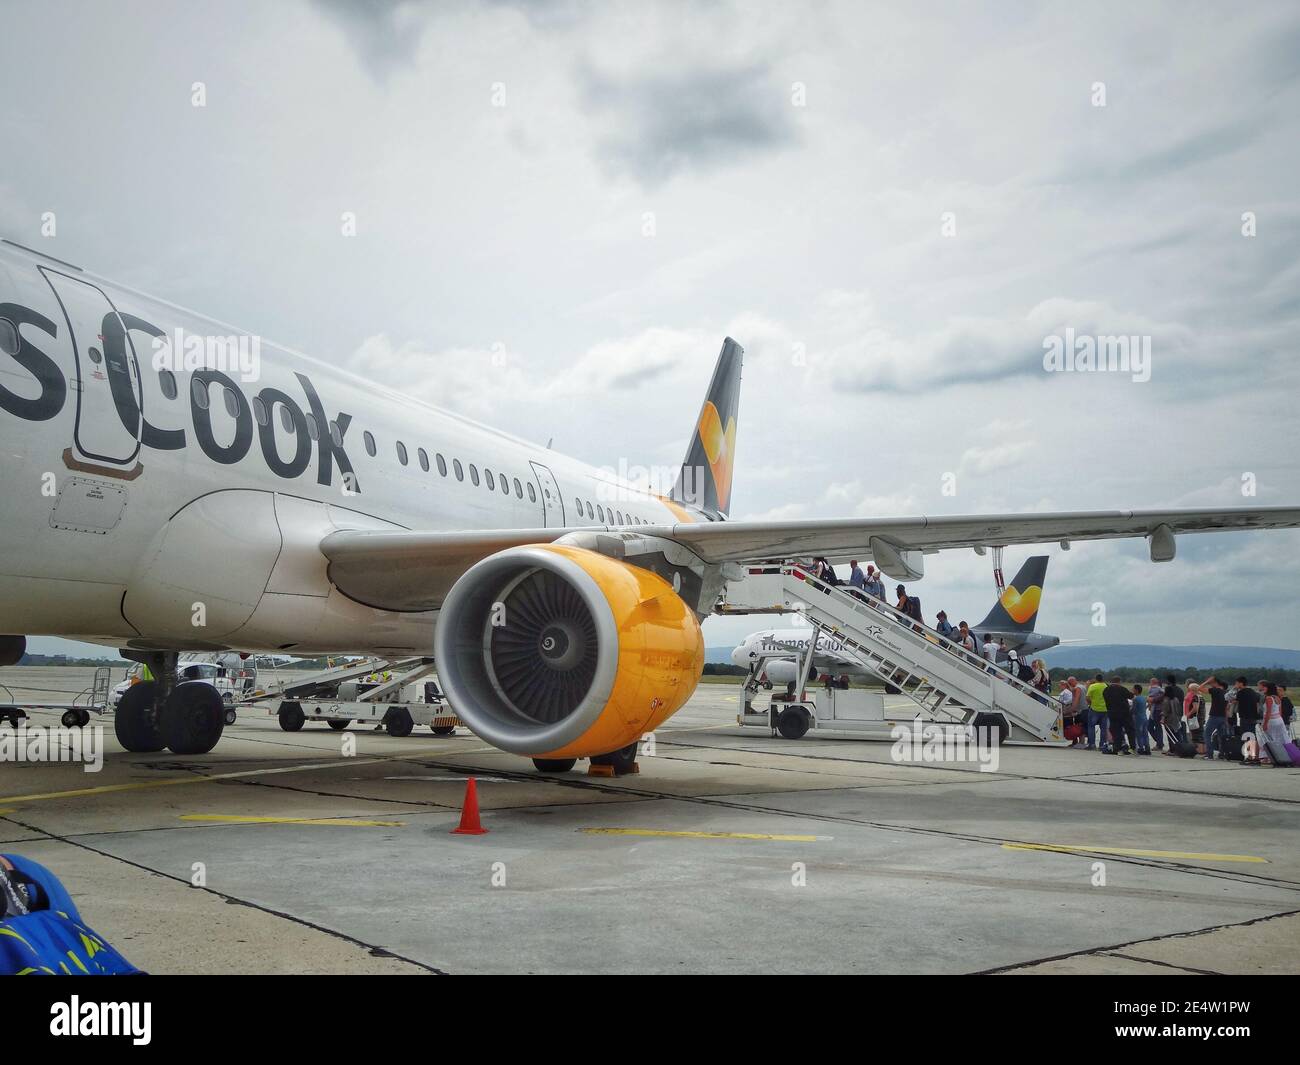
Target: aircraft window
232	402
313	430
200	393
600	513
424	459
11	342
473	474
491	481
370	443
259	409
286	419
166	379
401	453
532	496
442	465
519	489
460	472
95	356
590	515
505	483
336	434
620	517
578	503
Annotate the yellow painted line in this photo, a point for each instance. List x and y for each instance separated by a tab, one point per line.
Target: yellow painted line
698	835
144	785
237	819
1190	856
3	812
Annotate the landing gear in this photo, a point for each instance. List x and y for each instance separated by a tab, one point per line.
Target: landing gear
134	722
616	763
554	765
192	718
291	717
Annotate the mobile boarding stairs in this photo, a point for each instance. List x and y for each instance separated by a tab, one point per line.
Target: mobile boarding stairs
945	682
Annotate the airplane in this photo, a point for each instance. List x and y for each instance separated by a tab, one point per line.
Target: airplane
1012	618
166	491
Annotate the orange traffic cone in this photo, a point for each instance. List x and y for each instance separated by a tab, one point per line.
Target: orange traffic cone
469	822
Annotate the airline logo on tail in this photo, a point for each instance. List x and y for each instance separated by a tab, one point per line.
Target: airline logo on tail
1021	605
719	449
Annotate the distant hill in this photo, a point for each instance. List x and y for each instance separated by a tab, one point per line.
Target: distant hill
1212	656
718	654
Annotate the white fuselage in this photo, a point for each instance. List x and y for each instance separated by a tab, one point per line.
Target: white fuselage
185	513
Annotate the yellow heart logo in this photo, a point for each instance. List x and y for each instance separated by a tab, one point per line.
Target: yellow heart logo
1021	607
719	448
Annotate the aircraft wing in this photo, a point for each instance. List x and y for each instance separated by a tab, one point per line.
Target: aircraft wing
413	570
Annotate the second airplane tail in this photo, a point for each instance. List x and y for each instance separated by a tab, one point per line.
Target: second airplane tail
1017	608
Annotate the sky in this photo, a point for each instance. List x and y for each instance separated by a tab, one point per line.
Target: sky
561	208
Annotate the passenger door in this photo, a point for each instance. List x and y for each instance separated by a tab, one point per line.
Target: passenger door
105	382
552	504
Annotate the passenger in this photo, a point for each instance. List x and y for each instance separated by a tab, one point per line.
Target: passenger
1117	697
1288	707
1012	659
1216	723
1156	712
857	579
1042	678
990	651
1141	727
1271	726
1071	726
874	585
1247	708
1097	720
944	627
1192	713
911	606
1173	711
968	639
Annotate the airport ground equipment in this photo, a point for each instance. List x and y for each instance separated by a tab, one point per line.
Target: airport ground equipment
92	700
945	682
394	693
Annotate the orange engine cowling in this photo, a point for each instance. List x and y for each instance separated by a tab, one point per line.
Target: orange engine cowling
559	652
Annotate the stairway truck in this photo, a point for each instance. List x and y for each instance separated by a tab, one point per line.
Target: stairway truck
399	707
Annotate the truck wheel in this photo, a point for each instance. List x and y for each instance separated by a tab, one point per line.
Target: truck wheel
291	716
554	765
230	715
133	721
398	723
339	726
71	718
792	722
192	718
999	730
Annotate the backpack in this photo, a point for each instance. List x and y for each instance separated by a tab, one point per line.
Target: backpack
1026	672
51	938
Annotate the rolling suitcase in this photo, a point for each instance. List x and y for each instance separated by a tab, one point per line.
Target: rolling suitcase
1228	745
1276	751
1182	748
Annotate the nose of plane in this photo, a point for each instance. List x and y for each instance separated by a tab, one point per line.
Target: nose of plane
740	655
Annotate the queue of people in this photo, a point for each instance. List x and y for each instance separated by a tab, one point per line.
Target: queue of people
1208	719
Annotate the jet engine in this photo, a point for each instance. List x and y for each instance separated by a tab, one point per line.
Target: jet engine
557	652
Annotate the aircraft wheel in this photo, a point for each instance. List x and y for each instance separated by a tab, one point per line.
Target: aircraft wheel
192	718
291	717
554	765
398	723
623	761
792	722
443	730
134	723
339	726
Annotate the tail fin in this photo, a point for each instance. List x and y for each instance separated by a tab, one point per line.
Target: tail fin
704	481
1017	609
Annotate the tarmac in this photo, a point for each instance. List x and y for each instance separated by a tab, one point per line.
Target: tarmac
731	851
